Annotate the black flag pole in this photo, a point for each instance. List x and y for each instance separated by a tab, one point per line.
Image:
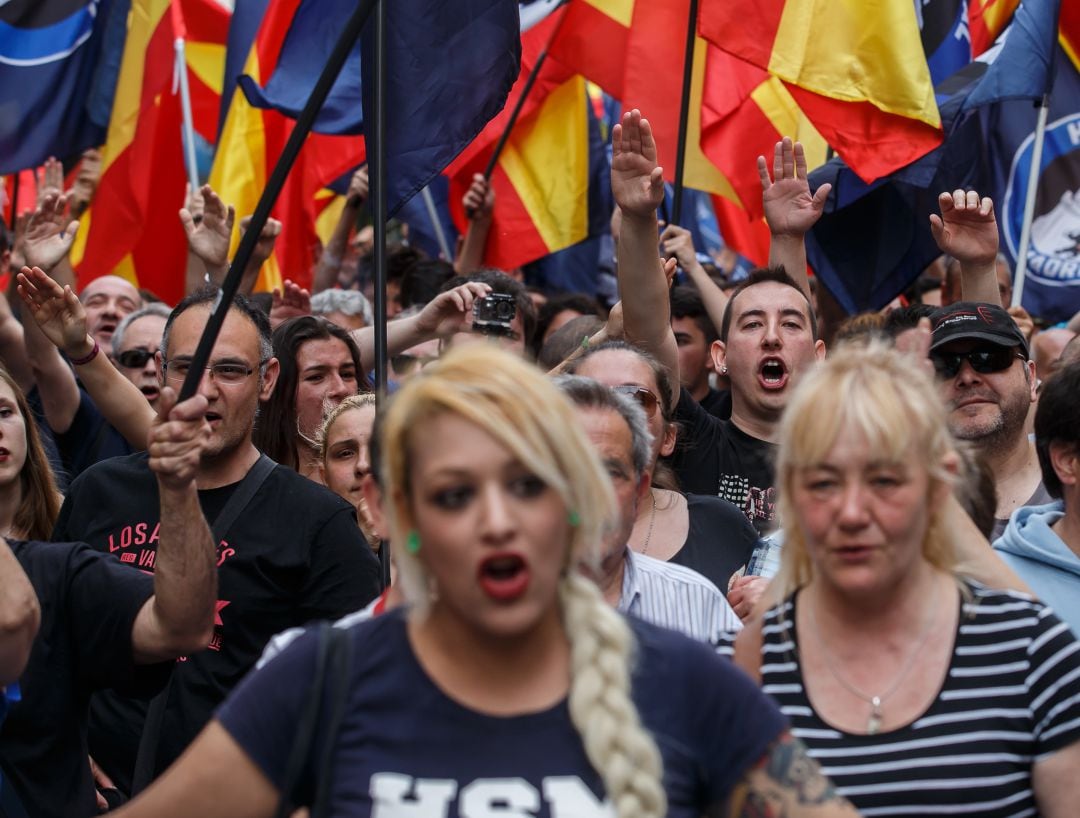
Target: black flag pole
376	146
684	113
14	201
349	35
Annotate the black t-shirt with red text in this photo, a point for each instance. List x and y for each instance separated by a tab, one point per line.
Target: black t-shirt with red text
294	555
88	607
715	457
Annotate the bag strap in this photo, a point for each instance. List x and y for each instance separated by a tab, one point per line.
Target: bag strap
333	660
146	757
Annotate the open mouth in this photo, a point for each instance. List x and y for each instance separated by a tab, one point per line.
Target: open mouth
150	392
4	453
106	329
212	417
772	374
503	577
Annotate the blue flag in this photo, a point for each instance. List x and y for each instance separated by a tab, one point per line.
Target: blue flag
449	68
56	84
874	240
1052	280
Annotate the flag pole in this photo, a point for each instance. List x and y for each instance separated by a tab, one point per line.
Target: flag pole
14	201
440	234
187	128
684	113
349	34
1029	202
376	146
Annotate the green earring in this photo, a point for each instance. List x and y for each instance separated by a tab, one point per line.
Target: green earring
412	542
573	518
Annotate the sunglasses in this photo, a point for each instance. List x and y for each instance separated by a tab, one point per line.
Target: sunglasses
134	358
983	361
649	402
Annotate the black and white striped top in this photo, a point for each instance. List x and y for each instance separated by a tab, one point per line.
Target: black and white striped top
1011	697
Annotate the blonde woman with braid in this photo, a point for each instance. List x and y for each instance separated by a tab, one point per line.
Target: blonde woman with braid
506	685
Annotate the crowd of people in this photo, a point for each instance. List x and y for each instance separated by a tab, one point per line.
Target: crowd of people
703	551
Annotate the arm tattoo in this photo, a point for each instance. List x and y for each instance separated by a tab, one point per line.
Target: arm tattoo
785	783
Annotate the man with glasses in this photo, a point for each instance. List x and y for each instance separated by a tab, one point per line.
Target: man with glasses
289	551
988	383
135	342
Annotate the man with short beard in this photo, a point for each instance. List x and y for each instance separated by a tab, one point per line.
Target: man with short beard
988	382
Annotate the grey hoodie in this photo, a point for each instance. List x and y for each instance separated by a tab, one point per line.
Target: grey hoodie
1043	560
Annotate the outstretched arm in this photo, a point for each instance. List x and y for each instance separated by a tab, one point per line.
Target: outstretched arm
46	242
208	224
967	230
60	320
179	617
790	209
638	186
441	317
326	272
676	241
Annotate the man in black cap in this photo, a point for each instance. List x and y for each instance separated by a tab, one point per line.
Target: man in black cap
988	382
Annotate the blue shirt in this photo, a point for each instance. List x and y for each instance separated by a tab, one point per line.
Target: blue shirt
403	742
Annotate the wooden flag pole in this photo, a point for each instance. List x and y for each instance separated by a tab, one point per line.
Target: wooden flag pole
1029	202
348	37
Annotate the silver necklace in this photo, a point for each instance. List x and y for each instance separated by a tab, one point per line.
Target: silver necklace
873	723
652	521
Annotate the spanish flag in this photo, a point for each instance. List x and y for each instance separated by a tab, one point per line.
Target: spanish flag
856	68
987	19
132	229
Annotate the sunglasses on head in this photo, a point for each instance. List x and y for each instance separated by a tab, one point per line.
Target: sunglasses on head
649	402
983	361
134	358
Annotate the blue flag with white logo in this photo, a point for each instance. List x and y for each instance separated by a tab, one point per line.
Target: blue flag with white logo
449	68
1052	280
56	81
874	240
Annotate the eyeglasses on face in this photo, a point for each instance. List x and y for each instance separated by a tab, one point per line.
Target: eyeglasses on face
134	358
223	373
984	361
649	402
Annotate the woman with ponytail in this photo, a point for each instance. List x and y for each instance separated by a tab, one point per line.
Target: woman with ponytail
505	685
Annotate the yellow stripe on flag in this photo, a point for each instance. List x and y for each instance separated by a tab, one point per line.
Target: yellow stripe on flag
328	219
206	61
699	172
78	247
238	175
776	102
547	161
621	11
142	21
857	51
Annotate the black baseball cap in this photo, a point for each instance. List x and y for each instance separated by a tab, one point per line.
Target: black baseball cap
973	319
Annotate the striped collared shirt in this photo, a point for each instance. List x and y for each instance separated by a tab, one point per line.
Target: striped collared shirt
673	596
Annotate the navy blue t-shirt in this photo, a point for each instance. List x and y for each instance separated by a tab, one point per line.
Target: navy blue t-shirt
405	742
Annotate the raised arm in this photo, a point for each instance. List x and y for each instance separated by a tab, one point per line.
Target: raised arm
326	272
45	243
967	230
790	209
60	320
264	248
13	347
208	224
479	203
179	618
638	186
440	318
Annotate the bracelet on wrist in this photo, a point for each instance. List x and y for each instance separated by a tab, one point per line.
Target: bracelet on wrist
88	357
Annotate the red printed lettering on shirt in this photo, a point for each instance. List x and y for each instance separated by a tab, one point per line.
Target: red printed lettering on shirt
146	558
224	552
154	536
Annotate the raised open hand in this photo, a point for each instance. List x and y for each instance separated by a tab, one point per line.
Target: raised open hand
50	179
790	208
637	182
479	199
86	181
264	247
209	237
57	310
966	228
49	233
358	187
291	302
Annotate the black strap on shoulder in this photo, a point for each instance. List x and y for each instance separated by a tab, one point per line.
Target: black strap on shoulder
146	758
333	662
